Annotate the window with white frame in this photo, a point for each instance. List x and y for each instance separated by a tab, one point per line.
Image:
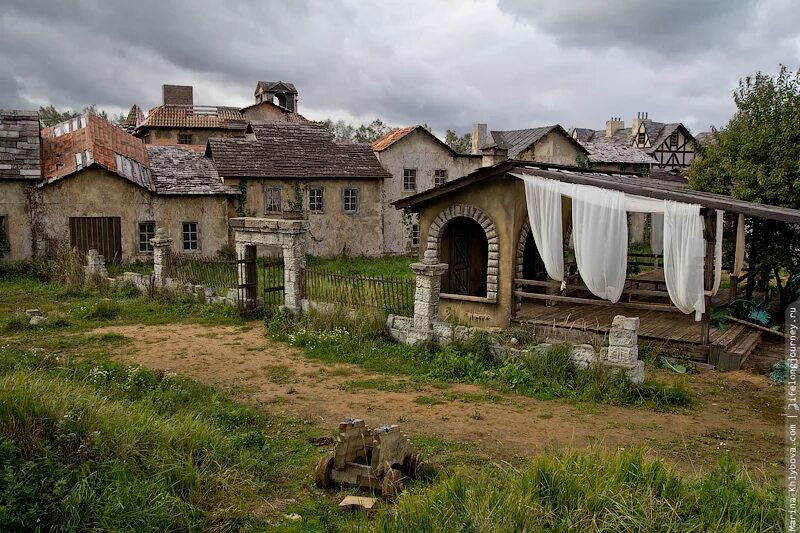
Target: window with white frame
414	234
272	199
316	199
147	231
191	237
439	177
409	179
350	200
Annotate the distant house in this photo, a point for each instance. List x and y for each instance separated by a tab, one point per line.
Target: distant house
665	146
417	161
284	168
545	144
104	189
19	171
179	121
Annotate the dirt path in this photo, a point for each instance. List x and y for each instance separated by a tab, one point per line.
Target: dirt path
736	413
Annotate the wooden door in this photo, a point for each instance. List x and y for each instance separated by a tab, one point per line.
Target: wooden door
459	261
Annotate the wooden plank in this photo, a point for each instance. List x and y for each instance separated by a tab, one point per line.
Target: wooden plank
604	303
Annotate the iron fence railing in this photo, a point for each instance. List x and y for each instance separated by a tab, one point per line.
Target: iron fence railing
393	295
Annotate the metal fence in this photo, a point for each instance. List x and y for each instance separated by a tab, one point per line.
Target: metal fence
393	295
201	270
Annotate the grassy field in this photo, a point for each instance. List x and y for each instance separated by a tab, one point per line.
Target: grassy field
87	443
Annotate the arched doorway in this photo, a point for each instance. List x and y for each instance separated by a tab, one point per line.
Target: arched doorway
465	248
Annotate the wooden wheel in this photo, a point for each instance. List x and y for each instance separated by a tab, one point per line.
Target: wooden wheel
413	465
392	484
322	472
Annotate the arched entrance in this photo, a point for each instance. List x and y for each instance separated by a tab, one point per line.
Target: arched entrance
465	249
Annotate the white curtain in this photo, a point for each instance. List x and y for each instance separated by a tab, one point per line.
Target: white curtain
600	232
543	198
657	233
684	249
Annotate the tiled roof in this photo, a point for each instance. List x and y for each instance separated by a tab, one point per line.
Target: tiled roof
392	137
19	145
177	171
193	116
134	118
94	141
605	150
301	151
517	141
267	86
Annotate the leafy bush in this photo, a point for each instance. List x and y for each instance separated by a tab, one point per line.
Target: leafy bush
103	310
16	322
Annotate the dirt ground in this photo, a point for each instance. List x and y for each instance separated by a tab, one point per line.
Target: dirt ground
736	413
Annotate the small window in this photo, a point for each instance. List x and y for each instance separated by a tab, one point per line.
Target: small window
673	139
410	179
272	200
4	245
147	231
350	200
414	234
315	199
146	138
640	139
439	177
190	236
184	138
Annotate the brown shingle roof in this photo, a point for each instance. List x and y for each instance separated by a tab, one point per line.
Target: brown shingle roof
96	141
193	116
285	150
19	145
517	141
177	171
392	137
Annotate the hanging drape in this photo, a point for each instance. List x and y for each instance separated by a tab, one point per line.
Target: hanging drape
600	232
543	198
657	233
684	250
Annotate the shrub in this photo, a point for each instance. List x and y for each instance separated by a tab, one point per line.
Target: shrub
17	322
103	310
128	290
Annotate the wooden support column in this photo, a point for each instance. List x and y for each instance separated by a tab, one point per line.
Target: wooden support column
709	235
738	259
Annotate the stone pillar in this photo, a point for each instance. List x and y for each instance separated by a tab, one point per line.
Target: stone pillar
294	264
95	265
162	246
426	297
623	347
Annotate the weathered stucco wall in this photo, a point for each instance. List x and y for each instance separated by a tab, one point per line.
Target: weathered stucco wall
503	199
169	136
264	111
552	148
333	232
97	193
14	206
416	150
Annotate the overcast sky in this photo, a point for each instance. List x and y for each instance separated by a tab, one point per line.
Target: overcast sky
509	63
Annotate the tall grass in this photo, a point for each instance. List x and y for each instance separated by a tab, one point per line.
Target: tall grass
571	491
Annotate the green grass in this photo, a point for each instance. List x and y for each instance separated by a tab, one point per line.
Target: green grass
360	339
571	491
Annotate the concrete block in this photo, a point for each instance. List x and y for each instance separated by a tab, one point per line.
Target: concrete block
621	354
623	322
627	338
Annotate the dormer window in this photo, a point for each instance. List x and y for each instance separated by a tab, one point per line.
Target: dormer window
673	139
640	138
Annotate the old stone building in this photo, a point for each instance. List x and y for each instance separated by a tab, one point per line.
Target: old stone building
179	121
417	161
19	170
546	144
289	170
646	144
105	189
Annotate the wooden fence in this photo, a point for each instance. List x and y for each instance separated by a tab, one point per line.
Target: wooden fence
393	295
201	270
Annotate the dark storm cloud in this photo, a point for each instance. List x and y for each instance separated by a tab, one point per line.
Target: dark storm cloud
515	64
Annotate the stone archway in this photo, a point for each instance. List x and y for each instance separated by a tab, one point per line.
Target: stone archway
479	216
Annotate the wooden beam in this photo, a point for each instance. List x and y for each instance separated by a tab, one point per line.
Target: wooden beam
709	235
603	303
571	287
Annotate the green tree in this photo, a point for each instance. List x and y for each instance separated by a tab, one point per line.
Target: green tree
461	144
342	131
369	133
756	157
50	116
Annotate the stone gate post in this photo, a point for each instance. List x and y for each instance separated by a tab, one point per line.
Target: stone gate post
426	297
162	246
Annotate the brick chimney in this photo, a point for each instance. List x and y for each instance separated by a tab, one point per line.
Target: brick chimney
641	116
478	137
177	95
614	125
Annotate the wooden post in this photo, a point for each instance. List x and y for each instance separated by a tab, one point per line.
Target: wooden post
709	235
738	259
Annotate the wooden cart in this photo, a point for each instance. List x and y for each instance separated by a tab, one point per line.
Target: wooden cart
377	459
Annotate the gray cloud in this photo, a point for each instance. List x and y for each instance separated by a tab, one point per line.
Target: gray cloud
512	64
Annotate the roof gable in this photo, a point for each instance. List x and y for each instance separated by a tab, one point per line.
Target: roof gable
399	134
518	141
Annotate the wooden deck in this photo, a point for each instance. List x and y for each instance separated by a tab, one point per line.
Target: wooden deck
590	323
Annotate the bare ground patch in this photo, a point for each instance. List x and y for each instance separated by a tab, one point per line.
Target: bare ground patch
735	413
